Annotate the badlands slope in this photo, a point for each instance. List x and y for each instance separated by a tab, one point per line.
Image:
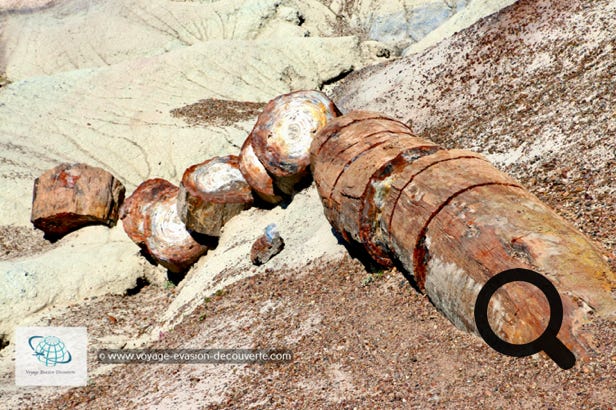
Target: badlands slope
97	81
529	86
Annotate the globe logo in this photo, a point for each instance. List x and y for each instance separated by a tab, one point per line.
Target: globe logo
49	350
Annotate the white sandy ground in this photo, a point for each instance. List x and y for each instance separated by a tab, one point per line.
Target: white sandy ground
95	81
71	35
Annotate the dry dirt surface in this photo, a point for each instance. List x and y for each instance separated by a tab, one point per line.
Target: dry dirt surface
218	112
359	340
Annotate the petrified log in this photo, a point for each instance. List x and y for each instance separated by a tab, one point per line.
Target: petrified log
150	219
256	175
135	207
283	133
71	196
211	193
453	221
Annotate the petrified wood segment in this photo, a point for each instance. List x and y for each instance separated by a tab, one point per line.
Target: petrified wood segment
135	207
361	119
151	220
283	133
211	193
494	227
256	175
71	196
351	150
452	220
426	193
381	186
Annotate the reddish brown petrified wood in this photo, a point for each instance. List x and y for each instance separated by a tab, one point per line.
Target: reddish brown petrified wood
71	196
256	175
211	193
453	221
135	207
283	133
151	220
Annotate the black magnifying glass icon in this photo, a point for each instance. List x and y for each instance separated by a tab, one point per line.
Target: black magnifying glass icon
547	342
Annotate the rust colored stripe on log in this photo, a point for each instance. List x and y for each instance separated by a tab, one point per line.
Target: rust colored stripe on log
329	172
371	231
386	140
427	193
341	160
406	176
351	155
346	146
339	141
348	189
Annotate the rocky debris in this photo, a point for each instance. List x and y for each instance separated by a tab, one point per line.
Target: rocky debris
453	221
211	193
151	220
283	133
266	246
71	196
222	113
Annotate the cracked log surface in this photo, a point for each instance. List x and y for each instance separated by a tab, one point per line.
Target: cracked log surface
256	175
453	220
151	220
211	193
283	133
71	196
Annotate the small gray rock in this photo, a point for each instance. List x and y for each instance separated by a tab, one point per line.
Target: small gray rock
266	246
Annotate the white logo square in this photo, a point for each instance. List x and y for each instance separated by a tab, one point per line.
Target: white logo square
51	356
